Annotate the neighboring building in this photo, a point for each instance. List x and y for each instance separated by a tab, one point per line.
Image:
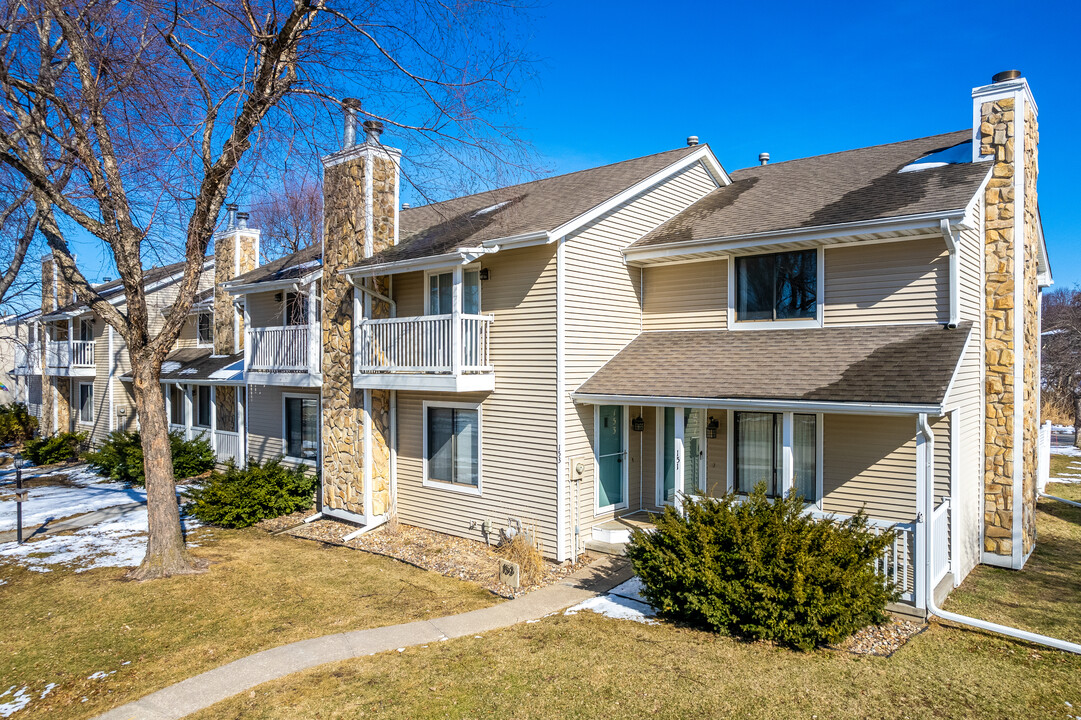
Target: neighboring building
859	327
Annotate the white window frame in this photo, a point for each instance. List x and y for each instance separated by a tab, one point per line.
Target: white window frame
681	454
820	292
285	429
787	463
199	342
478	490
79	397
609	509
86	323
196	404
457	274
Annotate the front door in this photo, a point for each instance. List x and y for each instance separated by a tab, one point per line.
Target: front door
610	458
682	454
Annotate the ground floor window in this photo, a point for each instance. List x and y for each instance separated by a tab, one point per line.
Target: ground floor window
452	445
758	444
177	405
86	402
201	397
302	428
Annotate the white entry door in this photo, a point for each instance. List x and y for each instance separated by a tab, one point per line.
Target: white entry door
681	453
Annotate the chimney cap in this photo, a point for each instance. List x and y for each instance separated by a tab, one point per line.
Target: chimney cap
406	206
763	158
692	140
242	220
372	130
351	103
1005	75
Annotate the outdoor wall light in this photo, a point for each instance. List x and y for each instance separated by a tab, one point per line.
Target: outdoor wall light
638	424
711	427
484	273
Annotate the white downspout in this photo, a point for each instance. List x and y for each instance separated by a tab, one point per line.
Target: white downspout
928	569
955	272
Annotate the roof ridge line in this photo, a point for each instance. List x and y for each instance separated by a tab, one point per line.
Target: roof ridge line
850	150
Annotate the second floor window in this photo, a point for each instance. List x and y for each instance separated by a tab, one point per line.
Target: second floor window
441	293
778	286
205	329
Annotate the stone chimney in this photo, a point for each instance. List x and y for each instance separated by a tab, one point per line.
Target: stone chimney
56	291
360	201
236	251
1006	134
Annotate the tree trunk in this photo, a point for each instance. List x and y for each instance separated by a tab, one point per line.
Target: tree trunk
1077	421
166	553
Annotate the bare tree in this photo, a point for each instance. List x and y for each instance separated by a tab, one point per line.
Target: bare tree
290	218
133	121
1061	350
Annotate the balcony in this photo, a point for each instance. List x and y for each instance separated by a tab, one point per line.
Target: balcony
283	355
227	445
432	352
70	358
28	359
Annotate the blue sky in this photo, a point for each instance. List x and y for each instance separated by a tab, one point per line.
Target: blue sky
616	80
621	79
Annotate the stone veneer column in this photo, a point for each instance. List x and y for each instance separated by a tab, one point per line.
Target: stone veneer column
236	251
360	214
56	292
1011	330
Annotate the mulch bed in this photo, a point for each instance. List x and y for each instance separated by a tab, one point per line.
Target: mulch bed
447	555
882	640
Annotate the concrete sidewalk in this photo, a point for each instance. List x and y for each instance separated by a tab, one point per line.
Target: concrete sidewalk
204	690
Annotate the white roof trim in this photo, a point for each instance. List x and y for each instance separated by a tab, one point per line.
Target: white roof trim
121	297
819	232
269	285
703	155
857	408
432	262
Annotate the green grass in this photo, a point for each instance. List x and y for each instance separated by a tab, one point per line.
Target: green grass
587	666
1060	464
261	591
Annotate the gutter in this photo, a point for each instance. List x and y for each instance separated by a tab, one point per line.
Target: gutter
928	569
860	408
955	272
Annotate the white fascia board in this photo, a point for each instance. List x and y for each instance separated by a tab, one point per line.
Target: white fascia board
820	232
270	285
703	155
297	380
432	262
536	237
1043	262
122	298
957	369
849	408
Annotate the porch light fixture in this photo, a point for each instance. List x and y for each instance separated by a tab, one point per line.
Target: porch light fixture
484	273
711	427
638	424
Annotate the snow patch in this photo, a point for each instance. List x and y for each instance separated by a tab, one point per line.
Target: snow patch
51	501
101	675
1066	450
20	700
491	208
189	371
119	542
170	366
623	602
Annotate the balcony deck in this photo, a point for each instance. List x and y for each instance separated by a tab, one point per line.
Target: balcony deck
288	355
70	358
431	352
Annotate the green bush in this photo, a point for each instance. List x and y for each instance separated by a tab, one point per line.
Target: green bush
58	448
763	569
16	423
120	457
240	498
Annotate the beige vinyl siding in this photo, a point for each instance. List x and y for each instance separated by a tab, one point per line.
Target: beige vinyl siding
966	396
869	462
408	289
518	419
717	456
892	282
264	310
265	411
101	425
602	305
685	296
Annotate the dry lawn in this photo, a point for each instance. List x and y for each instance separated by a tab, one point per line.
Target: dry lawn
261	591
588	666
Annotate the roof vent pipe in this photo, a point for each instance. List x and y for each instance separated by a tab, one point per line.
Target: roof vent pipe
372	130
230	216
692	140
242	221
763	158
350	106
1005	75
406	206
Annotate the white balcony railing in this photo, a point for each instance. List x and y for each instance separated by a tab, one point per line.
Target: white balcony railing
897	562
427	344
280	349
227	446
28	357
61	354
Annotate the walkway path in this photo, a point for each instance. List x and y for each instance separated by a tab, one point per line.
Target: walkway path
76	522
204	690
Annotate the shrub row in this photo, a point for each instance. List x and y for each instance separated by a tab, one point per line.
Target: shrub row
240	498
120	457
16	423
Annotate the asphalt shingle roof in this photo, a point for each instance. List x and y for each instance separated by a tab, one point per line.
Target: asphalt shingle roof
198	364
910	364
841	187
